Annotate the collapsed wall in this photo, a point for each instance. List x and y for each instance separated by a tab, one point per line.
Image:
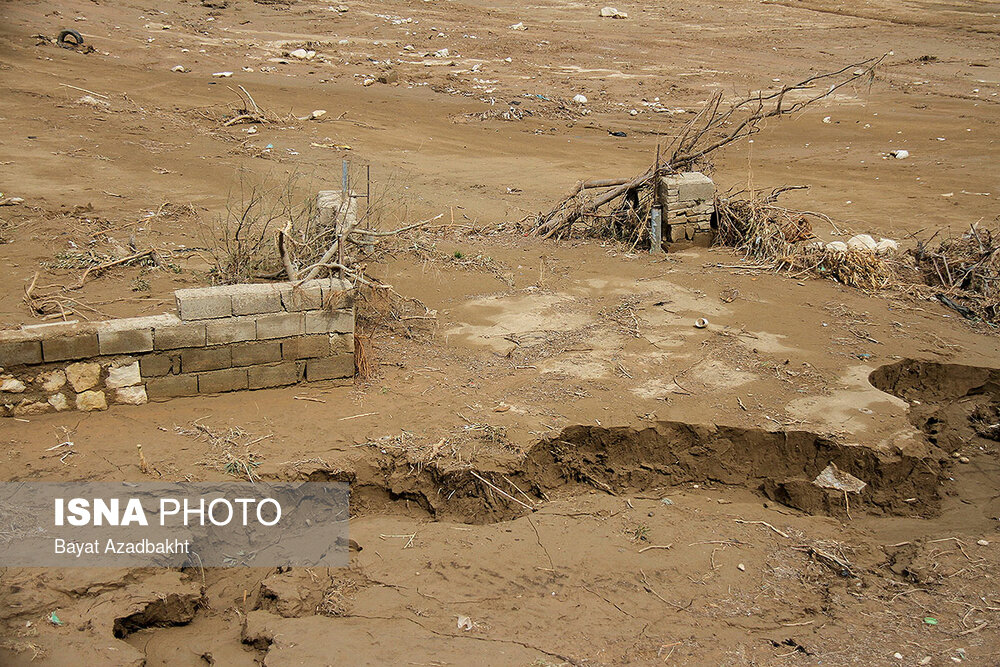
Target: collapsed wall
227	338
688	201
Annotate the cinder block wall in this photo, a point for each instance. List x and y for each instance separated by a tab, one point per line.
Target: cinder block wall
688	201
227	338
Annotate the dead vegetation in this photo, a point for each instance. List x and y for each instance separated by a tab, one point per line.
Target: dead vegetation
232	450
967	268
715	126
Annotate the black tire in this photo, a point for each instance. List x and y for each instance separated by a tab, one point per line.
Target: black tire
63	42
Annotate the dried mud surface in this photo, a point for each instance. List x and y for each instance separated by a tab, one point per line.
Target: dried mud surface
562	470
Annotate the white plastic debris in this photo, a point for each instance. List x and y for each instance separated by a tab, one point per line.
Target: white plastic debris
816	245
223	75
518	26
899	154
700	323
580	99
983	543
827	119
862	242
179	68
887	247
613	13
318	113
443	53
633	112
836	247
465	623
833	477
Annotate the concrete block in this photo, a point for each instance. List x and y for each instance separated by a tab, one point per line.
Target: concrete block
231	330
274	375
335	321
155	365
256	299
78	346
124	341
216	382
171	386
303	347
337	294
280	325
693	186
258	352
205	359
341	344
204	303
192	334
307	295
16	352
341	366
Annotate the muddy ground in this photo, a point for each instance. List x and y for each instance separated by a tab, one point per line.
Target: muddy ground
659	503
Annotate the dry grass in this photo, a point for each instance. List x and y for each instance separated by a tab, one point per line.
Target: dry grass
231	450
757	227
967	267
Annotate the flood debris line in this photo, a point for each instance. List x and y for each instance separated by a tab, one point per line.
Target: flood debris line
715	126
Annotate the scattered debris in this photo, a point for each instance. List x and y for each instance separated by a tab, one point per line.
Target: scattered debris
833	477
612	13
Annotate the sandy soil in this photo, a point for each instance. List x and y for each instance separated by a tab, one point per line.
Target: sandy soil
568	373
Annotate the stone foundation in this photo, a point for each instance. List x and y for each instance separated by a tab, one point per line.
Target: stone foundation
229	338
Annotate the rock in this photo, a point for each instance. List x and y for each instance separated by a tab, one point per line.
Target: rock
89	401
899	154
887	247
342	9
31	408
388	77
518	26
580	99
613	13
862	242
83	375
983	543
12	385
443	53
123	376
367	82
741	567
964	459
131	395
59	402
92	101
302	54
53	381
179	68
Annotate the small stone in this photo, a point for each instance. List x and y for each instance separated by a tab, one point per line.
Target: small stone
899	154
31	408
388	77
741	567
367	82
301	54
59	402
318	113
613	13
131	395
443	53
83	375
179	68
956	454
12	385
666	501
518	26
580	99
963	459
53	381
926	660
983	543
123	376
897	655
89	401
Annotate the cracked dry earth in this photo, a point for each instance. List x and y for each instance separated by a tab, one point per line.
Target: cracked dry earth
562	470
